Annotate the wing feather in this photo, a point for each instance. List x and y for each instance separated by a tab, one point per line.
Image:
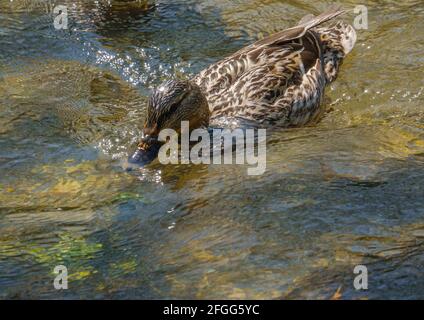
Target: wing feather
279	77
296	32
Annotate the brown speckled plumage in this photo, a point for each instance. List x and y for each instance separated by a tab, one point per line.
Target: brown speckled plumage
279	79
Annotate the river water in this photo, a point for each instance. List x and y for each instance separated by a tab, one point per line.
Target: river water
348	191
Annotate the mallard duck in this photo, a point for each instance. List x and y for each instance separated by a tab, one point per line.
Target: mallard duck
276	80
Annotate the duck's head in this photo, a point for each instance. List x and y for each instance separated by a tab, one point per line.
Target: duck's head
172	102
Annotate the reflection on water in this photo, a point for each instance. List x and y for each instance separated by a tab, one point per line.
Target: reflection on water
347	191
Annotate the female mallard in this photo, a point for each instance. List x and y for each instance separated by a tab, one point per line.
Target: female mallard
277	80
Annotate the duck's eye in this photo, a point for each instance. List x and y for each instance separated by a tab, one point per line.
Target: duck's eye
170	110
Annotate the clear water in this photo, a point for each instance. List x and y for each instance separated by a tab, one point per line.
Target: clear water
347	191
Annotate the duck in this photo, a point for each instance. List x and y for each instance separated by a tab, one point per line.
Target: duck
277	81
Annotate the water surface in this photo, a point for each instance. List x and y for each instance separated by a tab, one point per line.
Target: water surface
347	191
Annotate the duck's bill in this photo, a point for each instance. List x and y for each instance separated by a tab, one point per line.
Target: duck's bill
143	157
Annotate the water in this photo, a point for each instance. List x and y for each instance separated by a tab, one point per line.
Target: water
344	192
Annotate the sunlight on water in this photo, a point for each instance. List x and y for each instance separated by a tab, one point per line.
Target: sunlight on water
344	192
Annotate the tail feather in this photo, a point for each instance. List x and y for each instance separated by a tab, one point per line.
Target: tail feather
338	39
298	31
310	21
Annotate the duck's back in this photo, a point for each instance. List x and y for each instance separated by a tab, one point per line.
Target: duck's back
279	79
